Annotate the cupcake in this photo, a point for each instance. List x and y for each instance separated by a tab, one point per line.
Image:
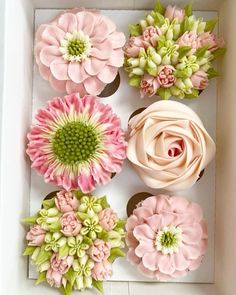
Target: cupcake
79	51
166	237
169	146
77	143
171	52
73	241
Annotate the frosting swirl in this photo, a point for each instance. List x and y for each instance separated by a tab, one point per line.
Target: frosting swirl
169	146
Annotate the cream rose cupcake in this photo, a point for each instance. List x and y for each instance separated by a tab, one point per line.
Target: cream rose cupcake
169	146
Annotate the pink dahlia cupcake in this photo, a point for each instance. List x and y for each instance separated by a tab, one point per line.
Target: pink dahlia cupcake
166	237
79	51
77	143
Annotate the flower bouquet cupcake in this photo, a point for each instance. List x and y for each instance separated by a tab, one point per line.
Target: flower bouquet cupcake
171	52
77	143
79	51
169	146
73	241
166	237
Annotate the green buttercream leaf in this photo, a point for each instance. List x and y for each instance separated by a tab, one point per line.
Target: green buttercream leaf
64	251
98	285
71	276
159	7
181	74
135	30
82	215
43	256
164	93
47	204
185	26
183	50
161	41
31	219
67	290
87	240
115	253
120	224
41	277
188	9
103	202
159	19
78	194
135	81
103	235
194	94
54	227
212	73
218	52
210	25
200	52
29	250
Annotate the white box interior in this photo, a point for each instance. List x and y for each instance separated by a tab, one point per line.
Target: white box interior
15	172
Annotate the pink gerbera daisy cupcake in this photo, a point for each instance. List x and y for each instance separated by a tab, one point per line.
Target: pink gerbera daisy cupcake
166	237
79	51
77	143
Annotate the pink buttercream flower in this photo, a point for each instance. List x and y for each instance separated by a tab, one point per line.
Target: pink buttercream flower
166	236
77	143
102	271
173	12
36	235
99	251
70	225
190	39
199	80
210	40
58	267
66	201
133	46
107	219
151	34
148	86
166	76
79	51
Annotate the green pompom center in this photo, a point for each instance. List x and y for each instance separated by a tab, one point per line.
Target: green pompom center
76	47
75	143
168	239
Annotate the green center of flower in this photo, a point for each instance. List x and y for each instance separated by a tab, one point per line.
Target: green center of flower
76	47
168	240
75	143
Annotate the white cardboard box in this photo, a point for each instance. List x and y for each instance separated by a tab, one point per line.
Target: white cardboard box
15	120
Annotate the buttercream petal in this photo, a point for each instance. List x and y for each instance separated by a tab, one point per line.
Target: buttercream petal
116	59
52	35
57	84
145	246
132	257
155	222
86	22
76	72
48	54
150	260
180	262
107	74
59	68
93	65
166	264
72	87
93	85
117	39
132	221
143	232
44	71
67	22
146	272
102	50
191	234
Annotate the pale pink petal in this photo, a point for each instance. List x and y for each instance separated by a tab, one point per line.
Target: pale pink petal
166	264
143	232
130	240
76	72
162	277
195	263
132	257
145	246
72	87
190	251
44	71
59	68
107	74
155	222
116	59
142	213
48	54
117	39
93	85
93	65
67	22
86	21
191	234
196	211
178	204
56	84
146	272
132	221
86	182
204	229
150	260
180	262
102	50
52	35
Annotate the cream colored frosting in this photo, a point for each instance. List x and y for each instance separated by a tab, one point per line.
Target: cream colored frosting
169	146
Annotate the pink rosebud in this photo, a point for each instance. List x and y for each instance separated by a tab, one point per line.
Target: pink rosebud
148	86
199	80
189	39
99	251
102	271
36	235
58	267
107	219
66	201
70	224
132	46
210	40
166	77
173	12
150	35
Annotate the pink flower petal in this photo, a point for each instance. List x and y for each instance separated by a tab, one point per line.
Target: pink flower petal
72	87
117	39
52	35
86	182
191	251
56	84
93	65
142	213
146	272
67	22
180	262
150	260
162	277
59	68
191	234
196	211
132	257
143	232
178	204
86	21
117	58
107	74
166	264
155	222
130	240
76	72
102	50
132	221
48	54
146	246
93	85
195	263
44	71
